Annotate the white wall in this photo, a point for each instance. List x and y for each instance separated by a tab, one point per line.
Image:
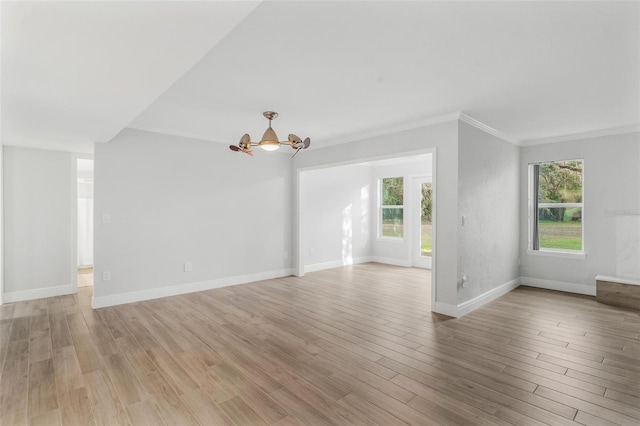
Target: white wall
398	251
444	138
173	200
336	216
488	192
39	245
339	215
1	222
611	242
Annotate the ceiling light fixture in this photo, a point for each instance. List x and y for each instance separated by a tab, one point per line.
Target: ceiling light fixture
269	141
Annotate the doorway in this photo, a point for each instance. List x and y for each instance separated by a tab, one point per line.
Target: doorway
422	250
359	209
85	222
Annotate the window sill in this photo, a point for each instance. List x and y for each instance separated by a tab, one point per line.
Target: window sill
391	239
553	253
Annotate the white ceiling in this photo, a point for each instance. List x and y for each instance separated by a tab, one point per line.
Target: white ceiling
83	71
78	72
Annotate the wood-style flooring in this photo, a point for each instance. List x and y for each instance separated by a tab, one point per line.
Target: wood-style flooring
85	277
354	345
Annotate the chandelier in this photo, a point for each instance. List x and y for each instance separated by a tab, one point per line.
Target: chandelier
269	141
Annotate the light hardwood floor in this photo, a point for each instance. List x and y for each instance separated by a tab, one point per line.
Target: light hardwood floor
353	345
85	277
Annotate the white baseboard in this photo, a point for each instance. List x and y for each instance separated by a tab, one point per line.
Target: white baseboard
335	264
339	263
589	290
38	293
486	297
445	309
619	280
391	261
470	305
174	290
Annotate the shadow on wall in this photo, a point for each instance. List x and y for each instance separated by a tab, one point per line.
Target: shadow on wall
347	226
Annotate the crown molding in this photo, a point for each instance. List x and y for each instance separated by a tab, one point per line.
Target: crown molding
83	147
487	129
395	128
192	136
425	122
380	131
611	131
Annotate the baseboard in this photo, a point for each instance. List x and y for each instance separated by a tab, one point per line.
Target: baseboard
174	290
559	286
486	297
38	293
390	261
445	309
339	263
478	301
335	264
619	280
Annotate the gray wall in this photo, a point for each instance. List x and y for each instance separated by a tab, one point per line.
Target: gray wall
488	197
611	183
173	200
39	233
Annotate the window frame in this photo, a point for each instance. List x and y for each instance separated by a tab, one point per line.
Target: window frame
534	205
384	206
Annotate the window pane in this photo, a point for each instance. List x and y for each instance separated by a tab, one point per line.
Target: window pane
560	228
392	192
392	222
425	220
560	182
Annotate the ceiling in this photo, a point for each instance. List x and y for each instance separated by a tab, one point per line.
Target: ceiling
79	72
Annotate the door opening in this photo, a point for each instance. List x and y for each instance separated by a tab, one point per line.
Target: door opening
422	250
85	222
420	164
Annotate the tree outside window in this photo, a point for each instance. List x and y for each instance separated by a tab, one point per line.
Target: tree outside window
557	206
392	207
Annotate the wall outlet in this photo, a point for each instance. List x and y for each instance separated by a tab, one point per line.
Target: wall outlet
311	251
285	255
106	218
465	281
106	276
187	266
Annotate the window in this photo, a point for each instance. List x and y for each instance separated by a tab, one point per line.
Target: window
556	207
391	207
426	203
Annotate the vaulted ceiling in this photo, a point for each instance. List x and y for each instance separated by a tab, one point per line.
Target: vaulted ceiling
74	73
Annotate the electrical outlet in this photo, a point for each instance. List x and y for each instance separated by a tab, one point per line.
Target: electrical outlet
106	218
187	266
106	276
465	281
285	255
